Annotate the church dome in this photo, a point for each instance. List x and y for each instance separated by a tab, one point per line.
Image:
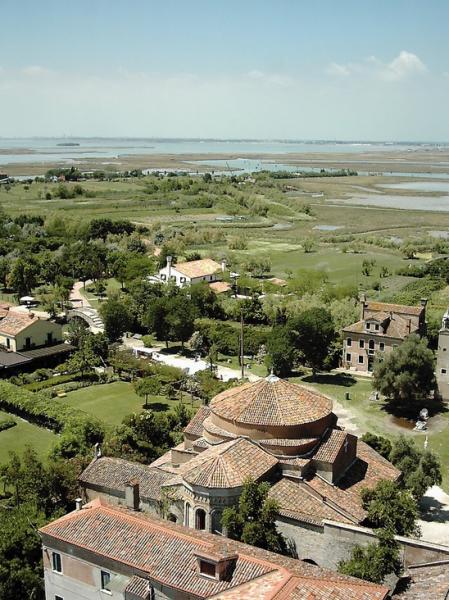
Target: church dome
270	408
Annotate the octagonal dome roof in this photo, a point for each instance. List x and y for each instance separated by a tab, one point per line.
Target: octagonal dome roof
271	402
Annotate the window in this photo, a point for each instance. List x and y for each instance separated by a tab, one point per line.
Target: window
376	327
8	343
348	357
443	371
28	342
362	343
182	279
200	519
56	562
349	342
49	338
360	360
207	568
368	325
371	344
105	579
59	598
381	346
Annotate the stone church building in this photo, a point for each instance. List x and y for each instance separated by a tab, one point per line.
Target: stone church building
271	430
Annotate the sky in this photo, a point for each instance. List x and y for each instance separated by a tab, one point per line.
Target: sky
263	69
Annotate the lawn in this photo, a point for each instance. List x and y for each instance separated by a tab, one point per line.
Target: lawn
112	402
24	434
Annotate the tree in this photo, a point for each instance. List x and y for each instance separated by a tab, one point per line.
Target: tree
313	333
389	506
24	275
83	360
280	351
147	386
374	561
253	521
380	444
116	318
406	376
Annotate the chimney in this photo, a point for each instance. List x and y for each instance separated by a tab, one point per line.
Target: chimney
363	306
423	302
391	315
132	495
223	265
78	504
169	261
97	451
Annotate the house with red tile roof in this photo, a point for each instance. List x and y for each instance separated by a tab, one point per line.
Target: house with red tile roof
100	550
381	328
192	272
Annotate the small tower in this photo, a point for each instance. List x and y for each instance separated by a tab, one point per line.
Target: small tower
442	369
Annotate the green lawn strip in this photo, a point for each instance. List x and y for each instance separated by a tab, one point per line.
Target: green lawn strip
23	434
111	402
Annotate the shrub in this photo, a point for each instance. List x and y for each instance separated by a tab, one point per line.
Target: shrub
7	424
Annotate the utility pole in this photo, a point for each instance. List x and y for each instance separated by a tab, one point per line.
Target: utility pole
242	363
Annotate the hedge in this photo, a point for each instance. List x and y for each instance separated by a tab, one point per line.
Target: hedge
36	408
7	424
226	336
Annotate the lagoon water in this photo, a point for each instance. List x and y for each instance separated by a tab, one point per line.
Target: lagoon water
26	150
438	203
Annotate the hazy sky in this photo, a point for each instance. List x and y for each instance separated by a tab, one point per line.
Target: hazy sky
347	69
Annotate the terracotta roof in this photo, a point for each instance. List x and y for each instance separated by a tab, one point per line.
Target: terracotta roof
195	425
228	465
397	328
198	268
367	470
15	322
427	583
271	402
220	287
113	473
139	587
395	308
168	552
295	500
331	445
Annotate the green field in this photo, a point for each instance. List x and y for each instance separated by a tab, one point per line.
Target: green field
112	402
23	434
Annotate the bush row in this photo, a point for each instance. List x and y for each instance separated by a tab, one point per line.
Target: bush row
48	383
7	424
35	407
71	386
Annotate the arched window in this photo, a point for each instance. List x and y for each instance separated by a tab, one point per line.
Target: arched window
173	518
200	519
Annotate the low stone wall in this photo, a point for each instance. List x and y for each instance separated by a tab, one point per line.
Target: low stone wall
332	542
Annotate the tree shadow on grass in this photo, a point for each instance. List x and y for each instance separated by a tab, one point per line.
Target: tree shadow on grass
156	406
435	406
341	379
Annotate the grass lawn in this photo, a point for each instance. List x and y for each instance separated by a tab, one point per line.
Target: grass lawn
370	416
112	402
223	360
24	434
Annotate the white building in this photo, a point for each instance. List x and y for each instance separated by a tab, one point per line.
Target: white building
442	368
191	272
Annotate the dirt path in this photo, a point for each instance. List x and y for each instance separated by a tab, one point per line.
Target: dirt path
76	295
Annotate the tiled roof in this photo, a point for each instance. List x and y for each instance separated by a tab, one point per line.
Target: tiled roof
228	465
331	445
198	268
220	287
296	501
167	552
113	473
15	322
139	587
426	583
397	328
271	402
399	309
367	470
302	588
195	426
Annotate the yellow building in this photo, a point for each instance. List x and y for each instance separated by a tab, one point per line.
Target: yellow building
25	331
